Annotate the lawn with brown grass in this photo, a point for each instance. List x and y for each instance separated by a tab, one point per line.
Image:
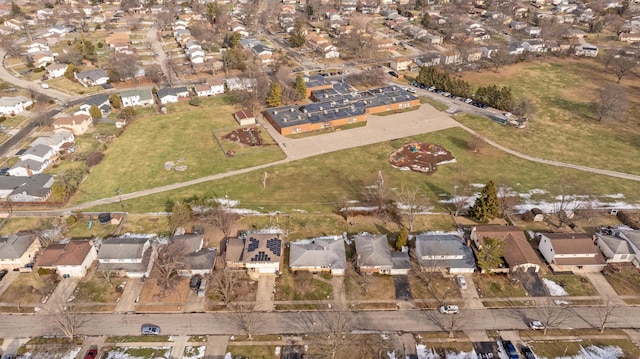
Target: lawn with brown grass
98	290
626	282
378	287
498	286
562	348
154	293
440	288
565	127
29	289
574	285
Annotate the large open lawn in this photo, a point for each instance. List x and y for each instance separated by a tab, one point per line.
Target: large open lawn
316	184
135	161
565	127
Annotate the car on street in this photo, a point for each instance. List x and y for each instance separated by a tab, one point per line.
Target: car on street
448	309
92	353
461	281
536	325
150	329
510	349
528	353
410	90
3	273
393	73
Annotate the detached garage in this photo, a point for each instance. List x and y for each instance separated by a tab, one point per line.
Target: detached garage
245	117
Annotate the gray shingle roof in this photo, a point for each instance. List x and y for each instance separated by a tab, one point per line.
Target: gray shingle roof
431	248
122	248
320	252
14	246
372	250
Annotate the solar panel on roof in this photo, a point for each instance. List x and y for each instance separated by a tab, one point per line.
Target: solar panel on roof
253	244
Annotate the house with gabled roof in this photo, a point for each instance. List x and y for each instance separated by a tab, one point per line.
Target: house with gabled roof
444	252
55	140
258	252
129	256
56	70
28	167
323	254
198	260
137	97
18	250
574	252
373	255
172	95
245	117
100	100
518	253
72	258
14	105
26	188
78	124
619	245
39	152
95	77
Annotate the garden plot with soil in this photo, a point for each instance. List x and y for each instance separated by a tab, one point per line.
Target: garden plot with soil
420	157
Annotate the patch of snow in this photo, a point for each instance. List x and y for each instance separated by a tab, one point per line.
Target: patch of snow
384	336
299	210
445	162
277	352
360	208
478	185
555	290
441	233
228	356
233	337
561	302
122	353
170	339
194	352
391	355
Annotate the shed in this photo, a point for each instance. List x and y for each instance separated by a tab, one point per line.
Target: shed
245	117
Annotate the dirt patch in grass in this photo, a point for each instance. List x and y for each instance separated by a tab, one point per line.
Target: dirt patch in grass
249	136
498	286
420	157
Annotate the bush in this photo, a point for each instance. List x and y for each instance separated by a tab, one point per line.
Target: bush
195	101
93	158
38	69
71	221
44	271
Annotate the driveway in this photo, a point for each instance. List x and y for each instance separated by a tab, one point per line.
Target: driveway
7	280
60	295
531	282
403	290
194	303
603	287
265	293
131	292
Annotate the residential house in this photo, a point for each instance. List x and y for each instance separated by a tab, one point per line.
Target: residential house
324	254
449	58
26	168
56	70
433	39
241	84
445	252
245	117
56	140
14	105
263	53
233	255
629	37
263	252
197	259
209	88
95	77
129	256
18	250
429	59
39	152
374	255
71	259
38	45
78	124
518	253
172	95
100	100
401	63
574	252
136	97
587	50
34	188
619	245
533	31
42	59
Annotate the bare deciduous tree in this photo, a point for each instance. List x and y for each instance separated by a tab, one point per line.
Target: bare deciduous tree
612	103
378	193
171	258
329	328
123	66
461	193
524	107
246	320
606	313
358	279
552	314
224	282
451	323
68	319
223	218
410	202
108	271
623	65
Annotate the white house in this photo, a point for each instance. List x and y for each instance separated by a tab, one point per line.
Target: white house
72	258
236	83
136	98
56	70
445	252
39	152
26	168
587	50
324	254
575	252
14	105
172	95
620	246
130	256
94	77
55	140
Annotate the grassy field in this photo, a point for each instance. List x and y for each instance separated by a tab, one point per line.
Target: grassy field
627	282
573	284
497	286
342	175
135	161
565	127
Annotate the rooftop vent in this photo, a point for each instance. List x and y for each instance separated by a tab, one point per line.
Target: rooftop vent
292	109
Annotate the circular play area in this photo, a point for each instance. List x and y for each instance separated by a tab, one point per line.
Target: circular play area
420	157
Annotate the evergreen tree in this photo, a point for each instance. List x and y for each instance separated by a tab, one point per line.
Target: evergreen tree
71	68
403	238
95	112
181	214
301	87
115	100
274	98
490	255
15	9
486	205
297	38
426	19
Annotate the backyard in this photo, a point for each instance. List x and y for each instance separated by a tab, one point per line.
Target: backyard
563	91
153	140
341	176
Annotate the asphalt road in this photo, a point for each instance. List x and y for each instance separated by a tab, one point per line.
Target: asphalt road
33	325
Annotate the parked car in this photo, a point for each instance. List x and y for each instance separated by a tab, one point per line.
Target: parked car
461	281
150	329
92	353
393	73
3	273
410	90
195	281
448	309
510	349
537	325
8	356
528	353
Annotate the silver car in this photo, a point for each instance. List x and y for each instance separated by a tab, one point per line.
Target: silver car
150	329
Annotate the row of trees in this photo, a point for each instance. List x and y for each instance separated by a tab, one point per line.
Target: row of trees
431	76
496	97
